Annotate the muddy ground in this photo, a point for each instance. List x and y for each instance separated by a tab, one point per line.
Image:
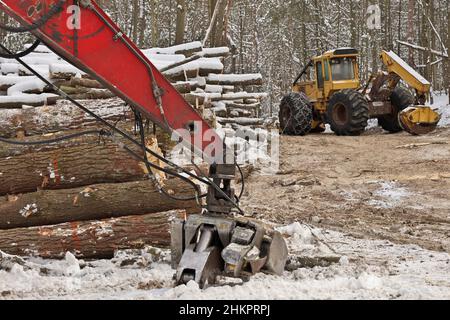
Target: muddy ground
378	186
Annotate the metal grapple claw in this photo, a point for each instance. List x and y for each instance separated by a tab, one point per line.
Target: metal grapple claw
205	246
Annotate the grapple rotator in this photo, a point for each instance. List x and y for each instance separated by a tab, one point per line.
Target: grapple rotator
215	243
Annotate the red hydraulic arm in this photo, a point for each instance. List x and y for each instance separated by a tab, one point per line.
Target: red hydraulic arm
84	35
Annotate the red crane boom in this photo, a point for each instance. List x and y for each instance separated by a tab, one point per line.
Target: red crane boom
83	34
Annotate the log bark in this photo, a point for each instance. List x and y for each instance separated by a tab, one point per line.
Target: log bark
220	52
180	63
235	79
63	116
181	73
17	103
241	121
91	239
245	106
70	164
101	201
88	83
202	97
184	87
94	94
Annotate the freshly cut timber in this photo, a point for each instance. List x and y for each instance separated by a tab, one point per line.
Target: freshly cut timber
15	102
94	202
296	114
90	239
70	164
61	117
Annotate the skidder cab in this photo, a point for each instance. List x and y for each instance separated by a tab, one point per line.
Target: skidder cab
336	97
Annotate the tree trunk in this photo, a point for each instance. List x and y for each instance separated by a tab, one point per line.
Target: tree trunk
64	116
181	21
94	94
101	201
135	20
91	239
17	102
88	83
411	31
69	164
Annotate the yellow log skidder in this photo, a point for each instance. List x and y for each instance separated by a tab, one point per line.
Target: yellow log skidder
336	97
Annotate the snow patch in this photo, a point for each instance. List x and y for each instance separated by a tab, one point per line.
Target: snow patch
441	103
390	195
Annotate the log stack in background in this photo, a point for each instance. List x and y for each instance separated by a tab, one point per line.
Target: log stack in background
87	195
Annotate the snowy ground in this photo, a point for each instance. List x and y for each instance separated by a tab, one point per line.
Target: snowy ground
441	103
352	191
351	269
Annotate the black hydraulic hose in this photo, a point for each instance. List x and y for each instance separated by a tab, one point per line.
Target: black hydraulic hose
57	8
147	164
156	91
101	120
242	181
55	140
104	133
21	54
169	172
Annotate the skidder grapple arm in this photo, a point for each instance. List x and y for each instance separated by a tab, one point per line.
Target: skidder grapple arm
418	118
206	245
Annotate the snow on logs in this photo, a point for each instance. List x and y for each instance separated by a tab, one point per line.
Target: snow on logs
195	72
87	195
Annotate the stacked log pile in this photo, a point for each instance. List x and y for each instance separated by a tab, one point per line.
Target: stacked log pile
88	195
196	72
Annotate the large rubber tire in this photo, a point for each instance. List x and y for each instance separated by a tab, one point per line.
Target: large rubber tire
401	99
348	113
296	114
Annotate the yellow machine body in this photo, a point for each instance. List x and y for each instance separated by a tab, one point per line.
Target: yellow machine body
326	82
338	70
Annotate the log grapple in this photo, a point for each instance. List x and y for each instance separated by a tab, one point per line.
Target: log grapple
203	246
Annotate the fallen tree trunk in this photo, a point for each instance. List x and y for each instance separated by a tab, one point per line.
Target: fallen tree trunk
180	63
186	49
184	87
91	239
216	52
17	102
241	121
235	79
94	94
88	83
201	97
62	117
182	73
8	81
235	105
69	164
102	201
64	71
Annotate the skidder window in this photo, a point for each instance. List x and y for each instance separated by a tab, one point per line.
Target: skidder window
343	68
